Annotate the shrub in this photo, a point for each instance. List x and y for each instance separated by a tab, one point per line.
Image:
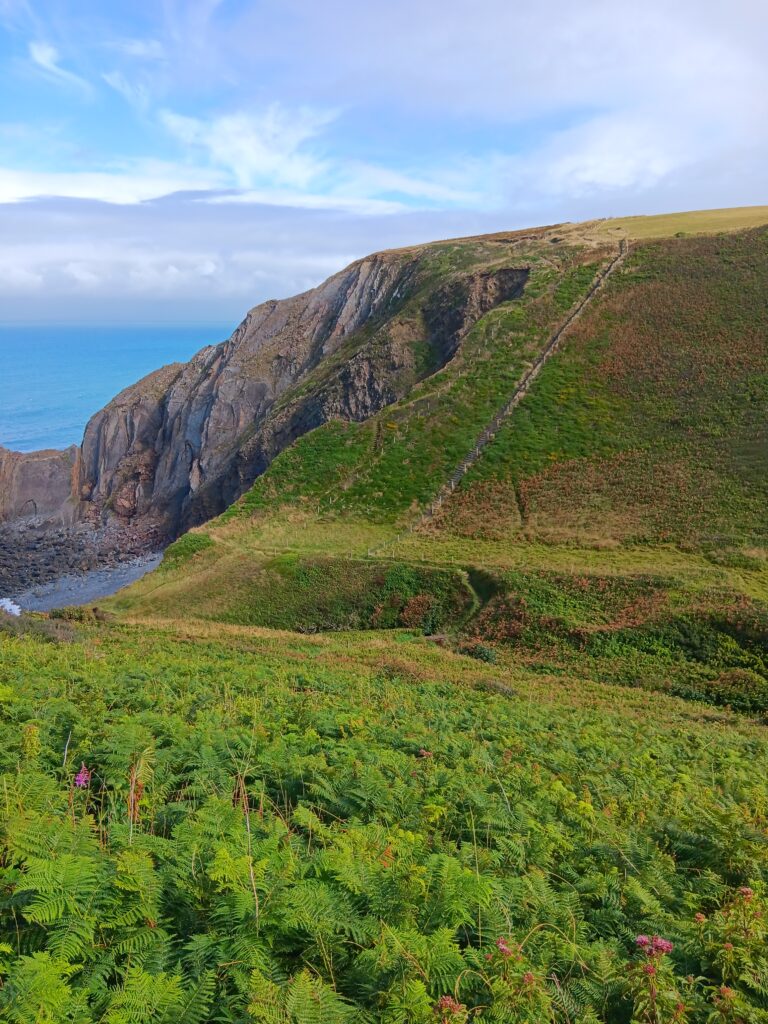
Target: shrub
36	626
481	652
416	611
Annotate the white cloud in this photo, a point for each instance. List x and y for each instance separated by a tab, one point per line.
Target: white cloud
450	188
605	154
47	58
134	182
256	148
15	279
308	201
179	259
82	274
478	115
270	161
546	101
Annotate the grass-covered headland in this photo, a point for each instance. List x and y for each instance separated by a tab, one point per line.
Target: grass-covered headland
340	761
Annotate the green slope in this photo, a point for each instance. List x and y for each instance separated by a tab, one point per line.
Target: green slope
641	447
651	423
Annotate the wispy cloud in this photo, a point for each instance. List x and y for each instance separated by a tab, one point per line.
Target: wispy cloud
142	49
364	207
269	147
278	156
136	93
326	130
47	57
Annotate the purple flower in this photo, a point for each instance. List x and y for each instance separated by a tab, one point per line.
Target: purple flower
83	777
643	941
503	947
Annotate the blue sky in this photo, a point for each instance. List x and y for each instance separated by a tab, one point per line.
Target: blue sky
176	159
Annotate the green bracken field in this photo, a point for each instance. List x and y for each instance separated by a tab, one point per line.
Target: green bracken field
360	826
508	766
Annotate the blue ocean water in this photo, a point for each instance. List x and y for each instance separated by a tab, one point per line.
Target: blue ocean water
53	378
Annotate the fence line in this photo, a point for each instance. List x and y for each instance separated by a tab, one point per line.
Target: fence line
521	390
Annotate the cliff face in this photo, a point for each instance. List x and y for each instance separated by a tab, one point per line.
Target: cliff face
183	443
39	485
167	447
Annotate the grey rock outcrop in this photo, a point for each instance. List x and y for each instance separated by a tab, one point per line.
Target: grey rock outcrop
39	485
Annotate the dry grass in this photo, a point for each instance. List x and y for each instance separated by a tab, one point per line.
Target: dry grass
694	222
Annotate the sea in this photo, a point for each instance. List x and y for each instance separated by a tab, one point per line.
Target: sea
53	378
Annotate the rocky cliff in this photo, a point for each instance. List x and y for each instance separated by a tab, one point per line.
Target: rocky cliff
39	485
183	443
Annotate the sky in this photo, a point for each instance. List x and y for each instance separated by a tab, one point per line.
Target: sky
179	160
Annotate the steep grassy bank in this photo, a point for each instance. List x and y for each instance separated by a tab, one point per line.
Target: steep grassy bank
650	425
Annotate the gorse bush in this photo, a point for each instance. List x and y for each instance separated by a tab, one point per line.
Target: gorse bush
233	830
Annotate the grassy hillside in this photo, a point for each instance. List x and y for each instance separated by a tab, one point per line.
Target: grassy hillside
366	827
692	222
651	423
349	757
641	447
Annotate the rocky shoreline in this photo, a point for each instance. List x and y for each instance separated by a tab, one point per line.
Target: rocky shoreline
85	587
35	554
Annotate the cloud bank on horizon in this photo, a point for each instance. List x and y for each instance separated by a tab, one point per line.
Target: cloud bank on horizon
187	158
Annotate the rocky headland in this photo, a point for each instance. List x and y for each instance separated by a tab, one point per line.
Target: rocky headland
176	448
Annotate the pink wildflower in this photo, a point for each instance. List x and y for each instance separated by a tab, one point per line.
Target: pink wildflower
746	893
649	969
662	946
83	777
447	1007
643	941
503	947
